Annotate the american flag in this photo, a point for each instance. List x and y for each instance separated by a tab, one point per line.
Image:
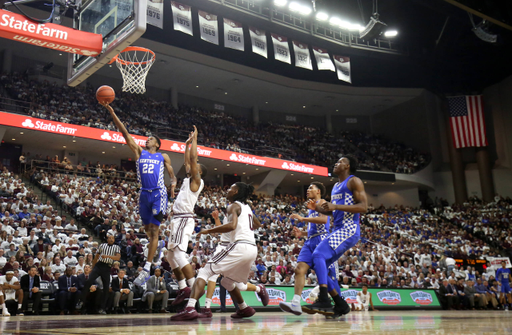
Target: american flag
467	121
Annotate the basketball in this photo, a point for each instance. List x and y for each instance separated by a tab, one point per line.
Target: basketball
105	94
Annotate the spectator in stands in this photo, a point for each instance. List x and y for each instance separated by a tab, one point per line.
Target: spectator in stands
30	284
68	292
57	265
122	292
156	291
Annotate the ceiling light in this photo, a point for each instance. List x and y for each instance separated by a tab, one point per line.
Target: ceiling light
312	177
299	8
63	146
14	139
391	33
215	169
321	16
225	92
113	147
280	3
303	106
266	102
103	152
227	164
60	54
335	21
257	169
298	181
337	110
197	86
21	133
292	174
74	141
243	172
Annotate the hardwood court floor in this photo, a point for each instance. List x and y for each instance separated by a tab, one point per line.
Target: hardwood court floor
389	322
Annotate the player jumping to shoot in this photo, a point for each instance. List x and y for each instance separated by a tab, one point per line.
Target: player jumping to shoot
153	193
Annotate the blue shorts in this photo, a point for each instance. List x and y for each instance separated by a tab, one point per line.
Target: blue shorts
505	288
151	204
306	253
306	256
337	243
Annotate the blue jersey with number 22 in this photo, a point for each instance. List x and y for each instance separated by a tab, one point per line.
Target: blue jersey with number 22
150	170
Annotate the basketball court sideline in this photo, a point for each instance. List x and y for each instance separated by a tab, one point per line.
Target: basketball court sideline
388	322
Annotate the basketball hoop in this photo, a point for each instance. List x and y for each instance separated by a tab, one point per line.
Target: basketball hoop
134	64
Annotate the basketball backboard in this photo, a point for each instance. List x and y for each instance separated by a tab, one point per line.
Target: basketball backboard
120	22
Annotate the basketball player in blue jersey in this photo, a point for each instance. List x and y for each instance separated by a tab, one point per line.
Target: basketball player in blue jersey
504	276
348	201
153	193
318	228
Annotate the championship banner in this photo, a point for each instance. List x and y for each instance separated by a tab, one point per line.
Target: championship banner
258	41
209	27
381	298
17	27
323	61
302	56
233	35
496	262
59	128
343	68
155	13
182	17
281	48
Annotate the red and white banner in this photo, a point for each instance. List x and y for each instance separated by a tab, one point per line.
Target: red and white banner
30	123
259	41
302	56
281	48
233	35
17	27
343	68
323	61
182	17
209	27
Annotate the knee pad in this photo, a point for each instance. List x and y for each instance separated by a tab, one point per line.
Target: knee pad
241	286
228	284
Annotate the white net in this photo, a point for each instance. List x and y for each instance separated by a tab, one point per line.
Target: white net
134	64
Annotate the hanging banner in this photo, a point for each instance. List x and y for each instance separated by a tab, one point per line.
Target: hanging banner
323	61
302	55
343	68
155	13
209	27
281	48
233	35
259	42
182	17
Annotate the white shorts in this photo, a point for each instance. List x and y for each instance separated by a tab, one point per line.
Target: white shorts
234	262
218	250
181	232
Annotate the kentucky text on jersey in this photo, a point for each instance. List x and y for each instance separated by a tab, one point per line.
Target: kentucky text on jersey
342	195
150	170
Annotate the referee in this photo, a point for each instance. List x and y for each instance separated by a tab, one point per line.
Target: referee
107	254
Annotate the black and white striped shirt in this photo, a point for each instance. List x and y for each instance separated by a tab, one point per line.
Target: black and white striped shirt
108	250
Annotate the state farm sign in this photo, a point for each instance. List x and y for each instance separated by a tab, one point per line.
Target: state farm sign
49	35
22	121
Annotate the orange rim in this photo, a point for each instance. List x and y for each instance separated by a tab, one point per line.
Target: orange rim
132	48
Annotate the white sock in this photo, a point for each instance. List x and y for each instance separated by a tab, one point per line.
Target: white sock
147	267
4	308
191	282
258	289
207	303
296	299
243	305
182	284
19	306
191	302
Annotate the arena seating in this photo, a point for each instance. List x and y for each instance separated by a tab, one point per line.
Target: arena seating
145	116
399	247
